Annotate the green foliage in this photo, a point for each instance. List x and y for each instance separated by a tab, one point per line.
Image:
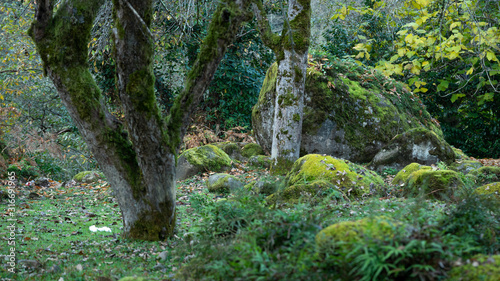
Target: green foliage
445	50
389	171
339	43
475	220
236	84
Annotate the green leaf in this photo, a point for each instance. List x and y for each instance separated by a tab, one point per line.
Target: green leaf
454	97
443	85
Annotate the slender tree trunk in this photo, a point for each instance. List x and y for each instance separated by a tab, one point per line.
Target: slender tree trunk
138	159
291	49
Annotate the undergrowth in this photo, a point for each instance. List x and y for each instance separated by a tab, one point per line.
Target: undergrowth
240	237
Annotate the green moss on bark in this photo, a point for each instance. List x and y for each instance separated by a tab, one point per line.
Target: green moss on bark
153	226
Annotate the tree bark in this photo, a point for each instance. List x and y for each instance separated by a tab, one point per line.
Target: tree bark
291	49
139	158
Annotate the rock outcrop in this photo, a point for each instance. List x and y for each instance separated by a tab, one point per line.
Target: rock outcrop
350	112
201	159
417	145
319	176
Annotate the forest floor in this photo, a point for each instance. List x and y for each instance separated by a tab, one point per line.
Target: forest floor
53	240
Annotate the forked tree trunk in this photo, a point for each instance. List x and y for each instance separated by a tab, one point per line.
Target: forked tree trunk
138	159
291	49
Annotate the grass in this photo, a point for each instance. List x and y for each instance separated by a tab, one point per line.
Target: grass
241	238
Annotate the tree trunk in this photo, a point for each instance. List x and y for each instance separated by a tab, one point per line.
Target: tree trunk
138	159
291	49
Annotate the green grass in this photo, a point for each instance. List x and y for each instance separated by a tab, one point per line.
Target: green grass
240	237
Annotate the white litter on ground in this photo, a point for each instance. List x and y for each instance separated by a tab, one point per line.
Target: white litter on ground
93	228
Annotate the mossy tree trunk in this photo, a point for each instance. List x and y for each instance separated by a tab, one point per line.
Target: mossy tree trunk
291	49
138	158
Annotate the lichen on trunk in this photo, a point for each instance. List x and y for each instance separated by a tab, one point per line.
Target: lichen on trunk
291	50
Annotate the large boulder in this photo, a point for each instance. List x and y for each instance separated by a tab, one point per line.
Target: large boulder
202	159
350	112
321	175
417	145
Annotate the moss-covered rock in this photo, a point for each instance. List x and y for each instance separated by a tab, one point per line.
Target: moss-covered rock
313	173
339	238
262	161
88	176
223	183
405	173
201	159
264	187
485	175
417	145
311	192
350	112
491	188
479	268
465	166
232	149
252	149
439	184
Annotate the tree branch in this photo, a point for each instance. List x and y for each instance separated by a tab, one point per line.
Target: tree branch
223	29
269	38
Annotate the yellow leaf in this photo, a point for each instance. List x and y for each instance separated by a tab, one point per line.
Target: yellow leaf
491	56
455	24
402	32
401	52
469	72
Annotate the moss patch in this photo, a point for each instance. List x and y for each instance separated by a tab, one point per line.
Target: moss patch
223	184
208	157
481	267
405	173
491	188
86	176
440	184
260	161
336	171
311	192
346	177
340	237
252	149
486	174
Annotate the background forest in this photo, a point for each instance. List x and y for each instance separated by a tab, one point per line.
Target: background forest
459	86
446	51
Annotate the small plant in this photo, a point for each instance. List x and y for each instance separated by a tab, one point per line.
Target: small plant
441	165
389	171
